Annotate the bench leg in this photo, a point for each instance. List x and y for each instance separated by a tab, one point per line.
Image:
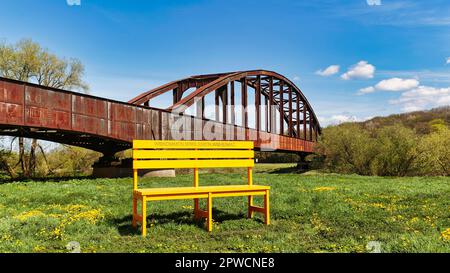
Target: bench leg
267	208
209	223
134	211
144	216
250	204
196	209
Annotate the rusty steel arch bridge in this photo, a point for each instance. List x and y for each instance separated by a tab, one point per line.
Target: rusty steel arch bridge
283	119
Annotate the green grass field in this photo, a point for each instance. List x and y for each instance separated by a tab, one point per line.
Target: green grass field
311	212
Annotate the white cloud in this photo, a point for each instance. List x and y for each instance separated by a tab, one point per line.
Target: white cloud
373	2
331	70
366	90
448	60
392	84
423	97
296	78
361	70
341	118
397	84
337	119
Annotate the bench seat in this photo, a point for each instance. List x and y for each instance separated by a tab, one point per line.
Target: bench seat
200	192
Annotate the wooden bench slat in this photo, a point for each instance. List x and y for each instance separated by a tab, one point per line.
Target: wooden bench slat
153	154
202	189
179	144
187	164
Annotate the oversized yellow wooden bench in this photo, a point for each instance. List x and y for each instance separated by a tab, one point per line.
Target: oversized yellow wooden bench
158	154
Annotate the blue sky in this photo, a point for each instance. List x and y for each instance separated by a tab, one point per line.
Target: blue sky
385	56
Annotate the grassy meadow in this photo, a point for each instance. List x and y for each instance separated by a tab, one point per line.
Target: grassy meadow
311	212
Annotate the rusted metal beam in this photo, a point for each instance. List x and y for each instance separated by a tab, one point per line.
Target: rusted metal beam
244	102
258	103
106	125
297	102
290	113
271	99
224	97
310	126
233	114
216	104
266	114
304	121
281	108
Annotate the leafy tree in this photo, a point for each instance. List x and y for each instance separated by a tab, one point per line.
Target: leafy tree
70	160
347	148
397	151
435	157
27	61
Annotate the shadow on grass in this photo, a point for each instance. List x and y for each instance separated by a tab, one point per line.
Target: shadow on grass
286	170
187	218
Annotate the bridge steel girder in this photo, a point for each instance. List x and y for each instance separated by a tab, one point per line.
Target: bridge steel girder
253	79
108	126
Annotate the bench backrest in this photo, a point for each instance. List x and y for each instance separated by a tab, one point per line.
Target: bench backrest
175	154
162	154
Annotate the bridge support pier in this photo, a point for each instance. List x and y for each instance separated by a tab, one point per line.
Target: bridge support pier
109	166
302	164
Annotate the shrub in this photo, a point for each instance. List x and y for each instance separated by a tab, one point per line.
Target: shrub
397	151
435	157
347	148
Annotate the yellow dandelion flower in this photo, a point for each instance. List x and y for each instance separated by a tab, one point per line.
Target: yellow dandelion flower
28	214
446	234
324	189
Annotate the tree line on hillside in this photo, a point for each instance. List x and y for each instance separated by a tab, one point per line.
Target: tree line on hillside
391	150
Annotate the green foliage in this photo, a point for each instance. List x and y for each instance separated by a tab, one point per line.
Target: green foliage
310	213
420	121
393	150
69	160
347	149
28	61
435	157
397	151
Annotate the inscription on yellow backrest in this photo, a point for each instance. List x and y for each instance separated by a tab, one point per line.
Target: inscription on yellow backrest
181	144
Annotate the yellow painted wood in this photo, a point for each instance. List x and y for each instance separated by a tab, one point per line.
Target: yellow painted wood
182	144
250	175
209	212
195	177
242	193
195	154
250	204
144	216
176	196
135	179
201	195
189	164
202	189
153	154
267	207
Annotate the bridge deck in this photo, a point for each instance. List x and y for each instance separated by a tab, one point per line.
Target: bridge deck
109	126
